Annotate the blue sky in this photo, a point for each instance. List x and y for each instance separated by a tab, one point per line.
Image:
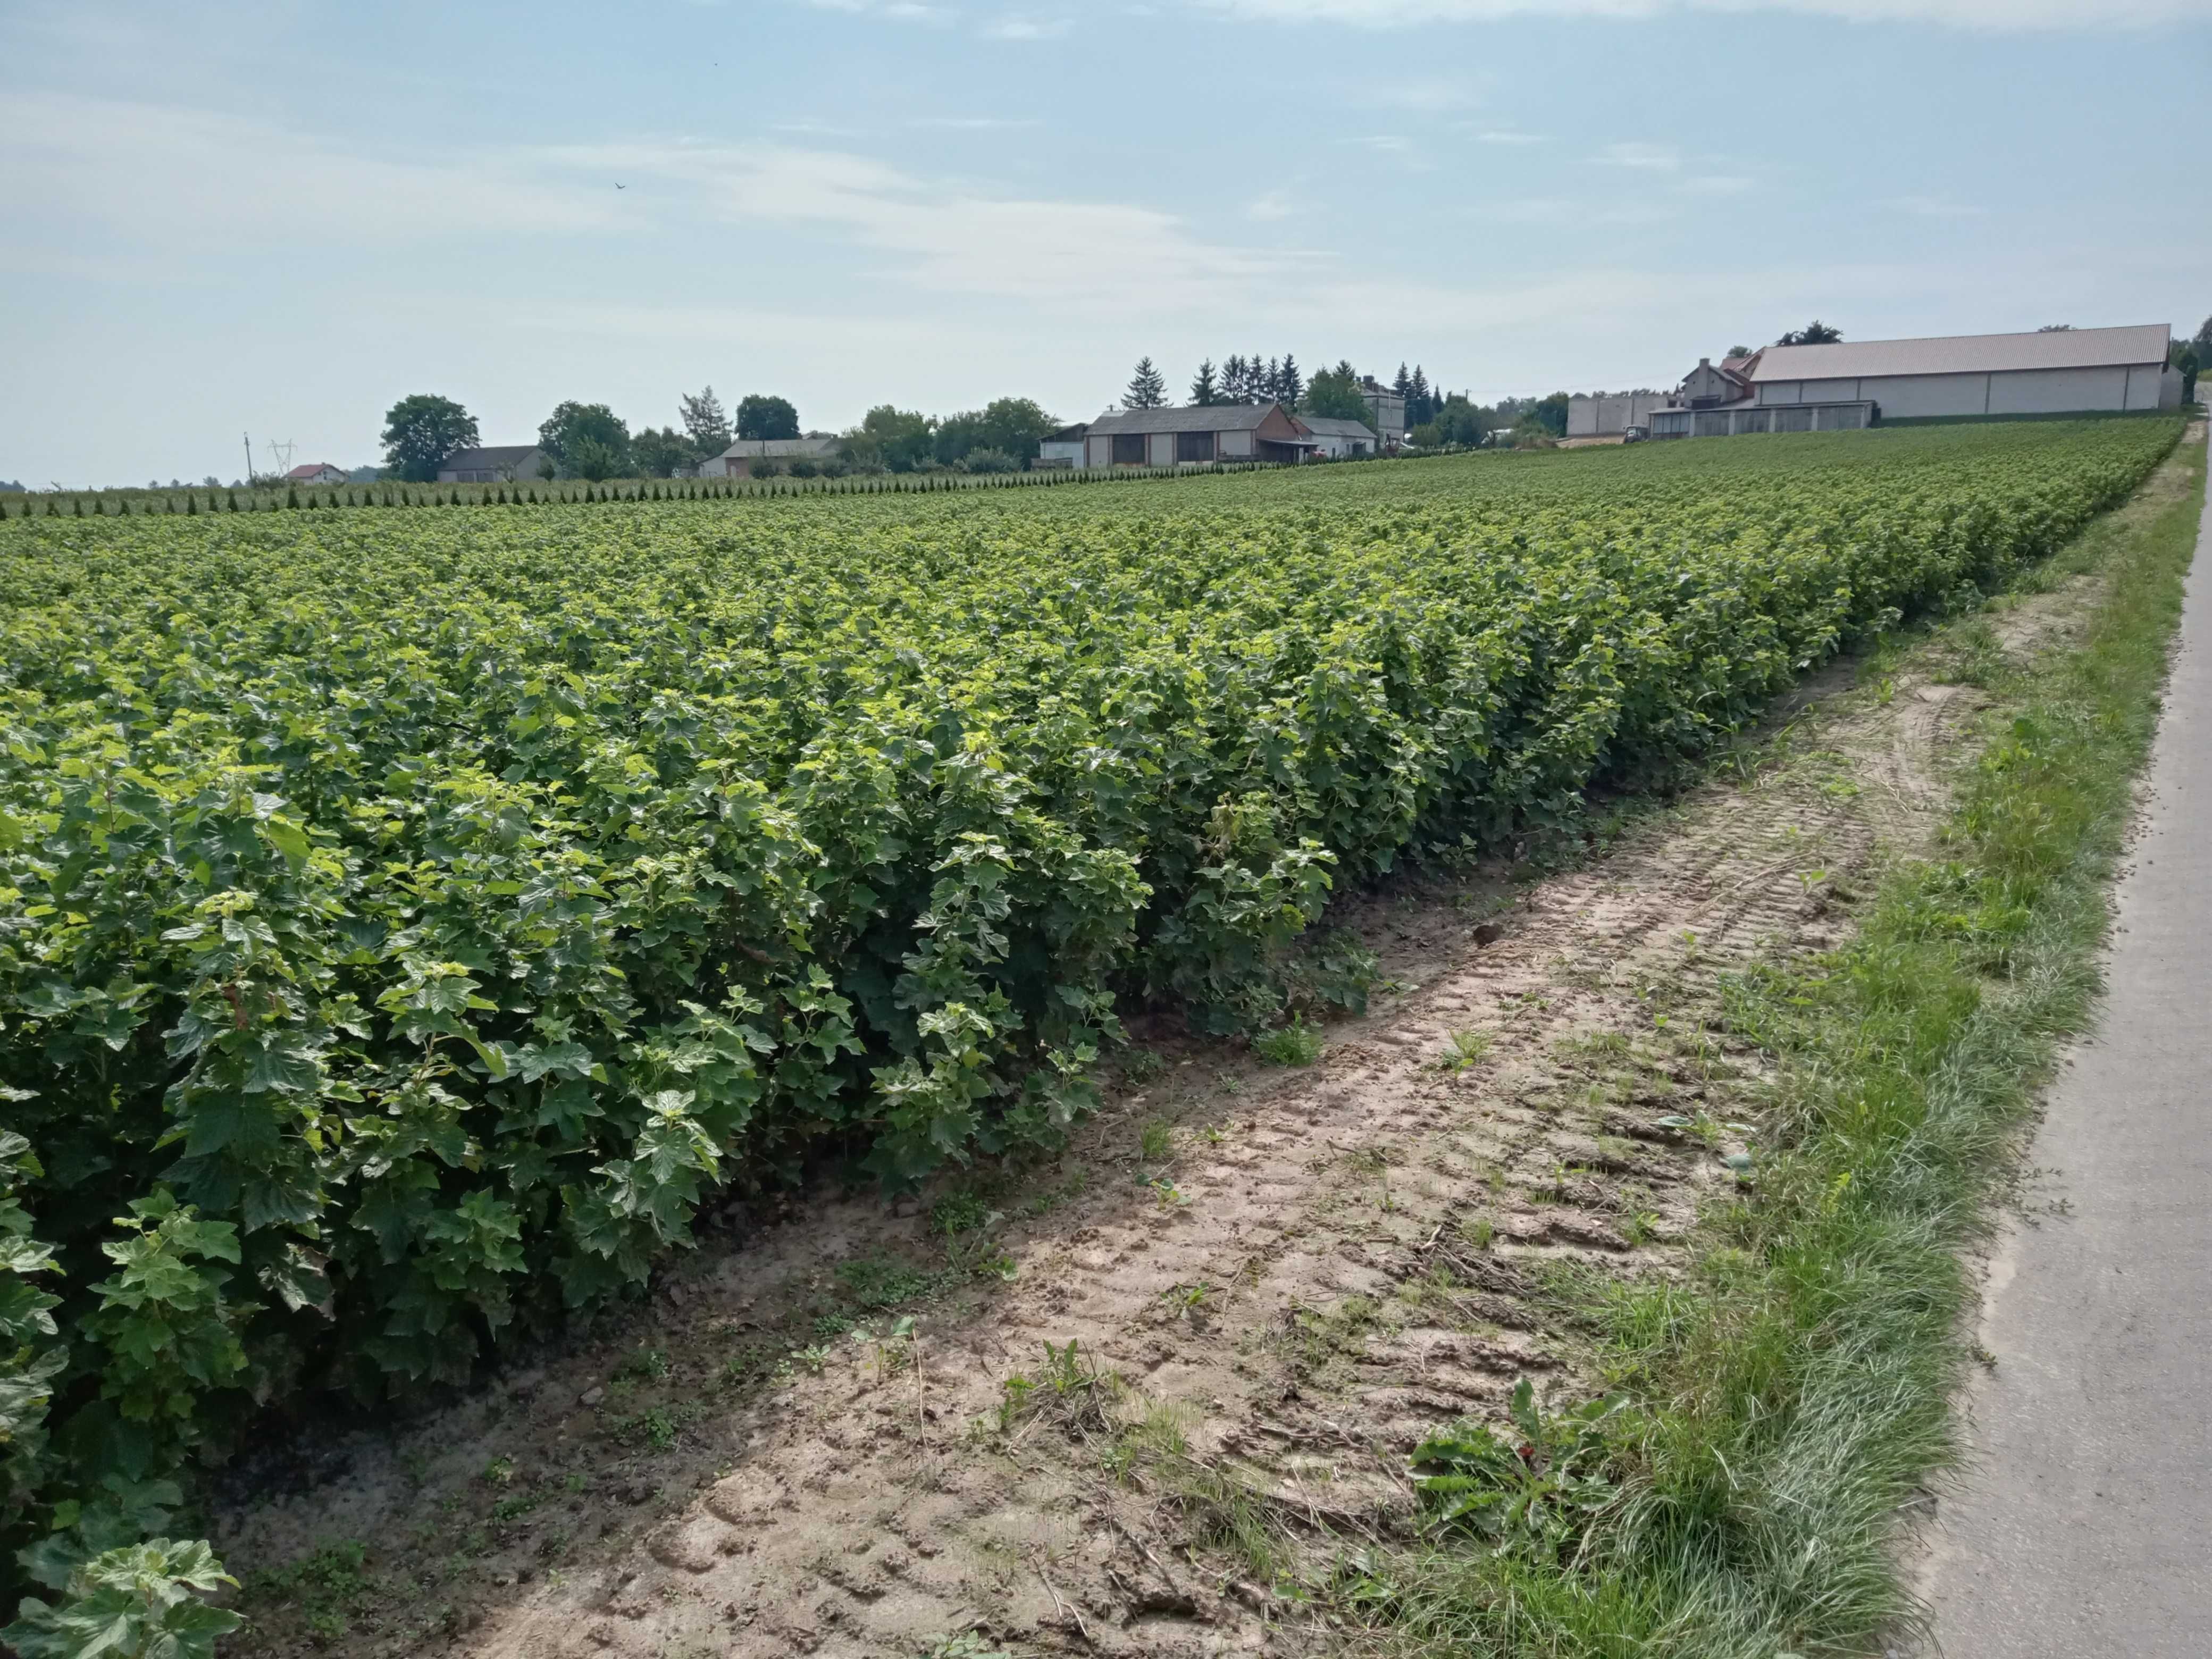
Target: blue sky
278	218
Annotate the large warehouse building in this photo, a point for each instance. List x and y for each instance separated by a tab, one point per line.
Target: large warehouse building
1853	383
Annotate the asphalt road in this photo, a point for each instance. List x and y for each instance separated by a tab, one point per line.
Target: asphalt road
2084	1525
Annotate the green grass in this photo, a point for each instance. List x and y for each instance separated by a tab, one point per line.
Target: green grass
1793	1390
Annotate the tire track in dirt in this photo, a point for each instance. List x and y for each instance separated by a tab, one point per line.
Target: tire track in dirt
1333	1262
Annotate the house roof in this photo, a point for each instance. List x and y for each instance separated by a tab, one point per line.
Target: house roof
1336	426
773	449
1741	368
499	455
311	469
1207	418
1068	434
1966	353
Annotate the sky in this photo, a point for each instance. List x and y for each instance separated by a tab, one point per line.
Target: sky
277	219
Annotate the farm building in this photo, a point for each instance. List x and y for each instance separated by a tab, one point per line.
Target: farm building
499	463
1063	448
740	459
1336	438
1217	432
317	472
1852	383
1603	416
1386	411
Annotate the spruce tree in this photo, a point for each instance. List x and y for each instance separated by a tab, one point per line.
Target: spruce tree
1420	409
1205	392
1294	385
1403	385
1147	388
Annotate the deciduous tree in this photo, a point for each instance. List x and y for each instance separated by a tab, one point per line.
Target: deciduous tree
760	415
420	432
586	440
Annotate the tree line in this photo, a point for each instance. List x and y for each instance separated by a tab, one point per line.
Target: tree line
590	441
1435	417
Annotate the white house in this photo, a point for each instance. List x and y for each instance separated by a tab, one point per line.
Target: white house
740	459
318	472
1336	438
1853	383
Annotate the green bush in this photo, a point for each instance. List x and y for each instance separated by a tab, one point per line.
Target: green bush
408	921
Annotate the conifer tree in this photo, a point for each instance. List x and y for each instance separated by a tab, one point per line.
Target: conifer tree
1147	388
1293	386
1205	390
1403	385
1420	409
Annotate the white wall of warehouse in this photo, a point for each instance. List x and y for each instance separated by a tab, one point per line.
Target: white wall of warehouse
2009	392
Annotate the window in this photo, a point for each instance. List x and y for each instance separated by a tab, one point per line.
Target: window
1129	449
1193	446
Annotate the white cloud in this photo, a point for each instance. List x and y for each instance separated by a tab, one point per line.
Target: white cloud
195	178
1429	97
1648	158
903	11
1564	211
1273	204
1026	28
1502	136
1992	15
1935	206
952	238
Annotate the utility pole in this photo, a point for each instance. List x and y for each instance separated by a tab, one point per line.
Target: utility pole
248	438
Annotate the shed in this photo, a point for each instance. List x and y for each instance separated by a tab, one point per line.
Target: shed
1195	435
499	464
1336	437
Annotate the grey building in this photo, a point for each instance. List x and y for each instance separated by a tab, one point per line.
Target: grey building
1603	416
1852	383
1065	446
738	460
1386	411
1203	433
499	463
1336	438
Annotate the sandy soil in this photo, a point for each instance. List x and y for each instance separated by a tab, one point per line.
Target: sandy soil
1264	1285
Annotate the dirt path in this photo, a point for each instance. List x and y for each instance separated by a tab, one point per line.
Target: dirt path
1244	1295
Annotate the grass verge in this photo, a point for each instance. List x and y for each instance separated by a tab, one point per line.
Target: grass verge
1791	1394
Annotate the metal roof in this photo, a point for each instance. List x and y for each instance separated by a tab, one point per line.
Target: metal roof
1966	353
1068	434
771	449
498	455
1336	426
1205	417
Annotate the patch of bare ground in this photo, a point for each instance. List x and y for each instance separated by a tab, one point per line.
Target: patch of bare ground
1225	1316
